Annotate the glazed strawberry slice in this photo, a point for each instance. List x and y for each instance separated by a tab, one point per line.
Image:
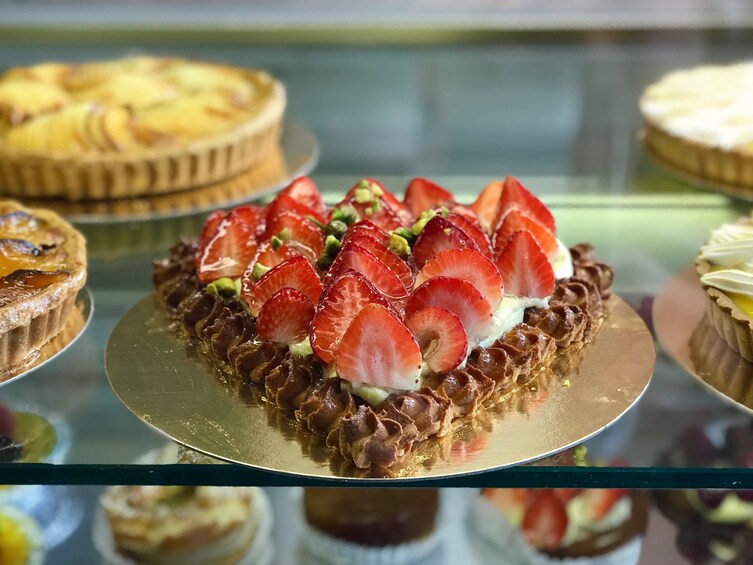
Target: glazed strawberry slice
285	317
545	520
368	229
387	198
473	230
290	226
228	252
486	205
252	216
377	349
515	195
304	191
380	215
599	501
385	255
440	336
459	297
354	256
469	265
341	301
518	220
524	267
284	203
207	233
422	194
268	256
439	234
296	273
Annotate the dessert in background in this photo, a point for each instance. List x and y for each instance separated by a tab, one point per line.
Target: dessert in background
42	268
20	538
699	122
113	129
725	268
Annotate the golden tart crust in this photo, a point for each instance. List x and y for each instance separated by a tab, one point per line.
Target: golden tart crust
116	129
32	313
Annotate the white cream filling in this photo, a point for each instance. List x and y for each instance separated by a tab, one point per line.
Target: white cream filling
730	280
562	262
580	525
728	253
509	314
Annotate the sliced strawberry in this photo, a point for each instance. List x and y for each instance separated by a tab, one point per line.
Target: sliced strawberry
599	501
207	233
387	199
473	230
460	210
228	252
353	256
252	216
469	265
297	228
439	234
295	272
285	317
515	195
518	220
441	337
284	203
524	267
566	494
377	349
510	501
343	299
422	194
386	256
270	257
380	215
459	297
304	190
486	205
367	228
545	520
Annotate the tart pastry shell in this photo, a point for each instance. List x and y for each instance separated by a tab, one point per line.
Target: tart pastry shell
150	172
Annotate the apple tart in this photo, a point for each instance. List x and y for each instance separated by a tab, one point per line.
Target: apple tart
42	268
132	127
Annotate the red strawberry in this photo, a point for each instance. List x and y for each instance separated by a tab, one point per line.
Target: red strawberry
510	501
524	268
285	317
469	265
367	228
566	494
252	216
304	190
518	220
441	337
295	273
459	297
269	257
228	252
207	233
599	501
422	194
439	234
388	199
385	255
514	195
473	230
353	256
377	349
545	520
340	303
486	204
284	203
381	215
297	229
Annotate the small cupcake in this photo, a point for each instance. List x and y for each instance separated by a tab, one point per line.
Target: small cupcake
560	526
370	526
156	525
20	539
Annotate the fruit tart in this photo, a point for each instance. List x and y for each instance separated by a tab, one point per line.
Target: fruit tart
377	322
42	268
113	129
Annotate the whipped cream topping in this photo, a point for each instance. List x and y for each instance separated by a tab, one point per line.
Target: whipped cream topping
562	262
731	247
709	104
730	280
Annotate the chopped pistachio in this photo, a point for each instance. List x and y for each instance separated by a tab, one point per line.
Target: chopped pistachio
368	211
317	222
301	349
363	196
407	234
377	190
346	214
566	383
258	271
336	228
447	231
363	183
284	235
332	246
276	242
580	455
238	287
224	286
399	245
330	371
323	263
444	211
423	219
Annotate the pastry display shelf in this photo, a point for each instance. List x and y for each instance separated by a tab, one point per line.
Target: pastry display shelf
647	236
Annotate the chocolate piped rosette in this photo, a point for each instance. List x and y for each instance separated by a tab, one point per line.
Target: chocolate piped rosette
377	322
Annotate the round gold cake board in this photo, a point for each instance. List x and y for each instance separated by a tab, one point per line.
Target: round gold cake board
687	337
165	380
297	155
78	320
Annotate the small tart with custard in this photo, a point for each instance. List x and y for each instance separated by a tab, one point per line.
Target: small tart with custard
725	268
42	268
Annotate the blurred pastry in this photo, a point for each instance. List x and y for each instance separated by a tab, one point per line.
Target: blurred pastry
20	538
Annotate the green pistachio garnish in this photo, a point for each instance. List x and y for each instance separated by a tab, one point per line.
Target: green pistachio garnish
258	271
317	222
323	263
363	183
566	383
399	245
363	195
224	286
346	214
276	242
284	235
336	228
301	349
407	234
444	211
332	246
423	219
580	455
238	287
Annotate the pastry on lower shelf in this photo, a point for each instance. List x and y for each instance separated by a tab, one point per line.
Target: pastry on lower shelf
379	322
156	525
699	121
42	269
370	525
560	526
725	268
116	129
20	538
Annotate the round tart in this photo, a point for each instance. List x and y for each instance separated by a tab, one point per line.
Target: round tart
116	129
699	121
42	268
